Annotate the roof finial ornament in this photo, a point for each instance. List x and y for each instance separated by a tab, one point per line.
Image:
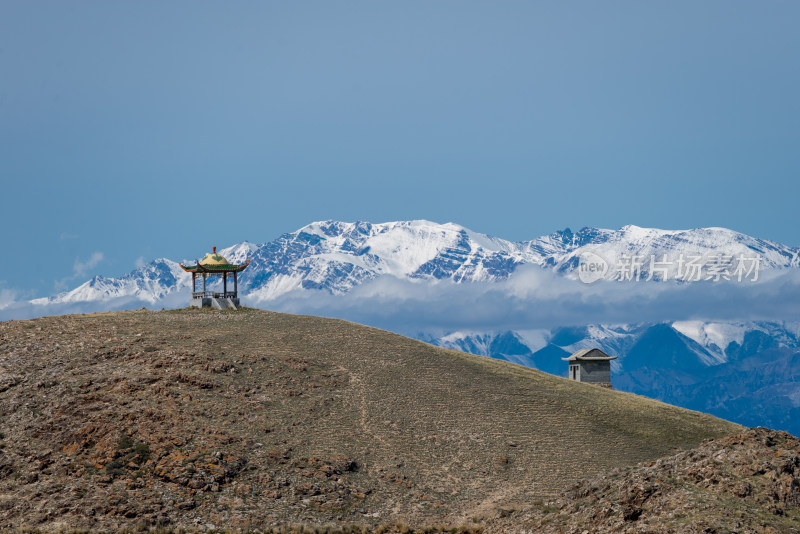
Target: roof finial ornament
214	249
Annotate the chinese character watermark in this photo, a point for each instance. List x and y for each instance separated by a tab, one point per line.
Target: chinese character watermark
682	268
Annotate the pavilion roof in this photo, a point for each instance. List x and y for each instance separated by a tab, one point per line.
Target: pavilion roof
214	263
216	268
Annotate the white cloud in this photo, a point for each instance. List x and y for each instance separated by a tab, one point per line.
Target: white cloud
538	298
25	309
532	298
140	262
80	269
7	297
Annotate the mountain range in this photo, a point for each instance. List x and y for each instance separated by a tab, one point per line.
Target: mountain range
733	366
337	256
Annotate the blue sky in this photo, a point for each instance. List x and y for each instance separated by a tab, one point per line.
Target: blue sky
134	130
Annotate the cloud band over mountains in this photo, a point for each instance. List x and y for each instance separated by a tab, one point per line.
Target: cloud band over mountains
418	275
538	298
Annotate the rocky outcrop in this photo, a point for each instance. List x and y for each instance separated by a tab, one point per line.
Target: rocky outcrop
746	482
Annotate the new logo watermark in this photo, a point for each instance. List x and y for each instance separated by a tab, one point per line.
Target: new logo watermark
591	267
683	267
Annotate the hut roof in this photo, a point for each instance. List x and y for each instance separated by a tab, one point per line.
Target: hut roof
589	354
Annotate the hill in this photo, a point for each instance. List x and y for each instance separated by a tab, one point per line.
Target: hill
740	370
209	419
746	482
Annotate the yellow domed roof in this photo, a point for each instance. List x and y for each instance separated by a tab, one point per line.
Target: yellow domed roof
214	259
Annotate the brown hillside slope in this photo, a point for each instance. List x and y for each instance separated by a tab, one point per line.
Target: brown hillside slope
231	419
744	483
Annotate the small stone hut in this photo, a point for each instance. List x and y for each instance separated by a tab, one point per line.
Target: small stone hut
592	366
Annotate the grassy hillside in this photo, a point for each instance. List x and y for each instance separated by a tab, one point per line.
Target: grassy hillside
200	418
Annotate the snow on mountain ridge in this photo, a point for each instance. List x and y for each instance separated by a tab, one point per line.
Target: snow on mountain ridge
715	337
404	249
240	252
336	256
670	250
148	283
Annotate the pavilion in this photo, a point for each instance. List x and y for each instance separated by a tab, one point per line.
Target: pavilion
215	265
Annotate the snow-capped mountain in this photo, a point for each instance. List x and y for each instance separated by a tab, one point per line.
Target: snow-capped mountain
667	251
149	284
336	257
728	367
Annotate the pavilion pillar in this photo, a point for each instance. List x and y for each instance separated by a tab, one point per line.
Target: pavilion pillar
204	285
224	284
194	284
235	285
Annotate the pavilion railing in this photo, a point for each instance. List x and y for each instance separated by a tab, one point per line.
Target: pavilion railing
214	295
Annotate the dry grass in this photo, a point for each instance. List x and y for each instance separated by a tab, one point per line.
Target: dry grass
253	418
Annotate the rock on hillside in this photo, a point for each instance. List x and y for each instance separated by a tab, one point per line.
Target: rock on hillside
746	483
204	419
